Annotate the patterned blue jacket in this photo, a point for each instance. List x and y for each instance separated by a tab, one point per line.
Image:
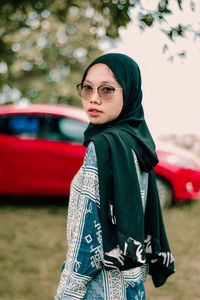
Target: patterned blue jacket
83	275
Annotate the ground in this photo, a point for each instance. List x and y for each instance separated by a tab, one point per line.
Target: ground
33	248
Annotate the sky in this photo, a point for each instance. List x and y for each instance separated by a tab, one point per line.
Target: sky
171	90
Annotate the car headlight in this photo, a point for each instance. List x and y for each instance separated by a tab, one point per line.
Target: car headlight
180	161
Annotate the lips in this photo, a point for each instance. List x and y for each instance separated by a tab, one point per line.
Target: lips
94	112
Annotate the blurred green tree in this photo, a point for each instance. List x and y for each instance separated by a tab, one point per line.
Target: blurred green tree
45	44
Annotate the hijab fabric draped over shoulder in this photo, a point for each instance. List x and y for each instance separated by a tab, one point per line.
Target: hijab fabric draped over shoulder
140	238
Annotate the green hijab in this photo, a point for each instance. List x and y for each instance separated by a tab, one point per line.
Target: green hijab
140	238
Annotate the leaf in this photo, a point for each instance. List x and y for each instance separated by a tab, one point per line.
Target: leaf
163	9
182	54
170	34
165	48
192	5
171	58
141	27
179	30
180	4
147	19
160	17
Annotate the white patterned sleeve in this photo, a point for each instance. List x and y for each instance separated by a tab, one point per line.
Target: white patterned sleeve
85	252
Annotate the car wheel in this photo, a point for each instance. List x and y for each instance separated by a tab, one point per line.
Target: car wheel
165	192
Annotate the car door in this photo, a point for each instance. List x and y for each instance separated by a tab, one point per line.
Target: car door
37	157
19	153
62	152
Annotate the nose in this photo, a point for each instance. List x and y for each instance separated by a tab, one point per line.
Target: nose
95	96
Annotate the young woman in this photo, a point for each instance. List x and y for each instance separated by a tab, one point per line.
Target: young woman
115	229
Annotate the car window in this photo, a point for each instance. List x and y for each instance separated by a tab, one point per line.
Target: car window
43	126
72	130
63	129
20	125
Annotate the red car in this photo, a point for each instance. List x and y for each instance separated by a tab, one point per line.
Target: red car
41	150
177	173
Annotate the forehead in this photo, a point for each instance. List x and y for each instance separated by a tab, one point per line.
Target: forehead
100	72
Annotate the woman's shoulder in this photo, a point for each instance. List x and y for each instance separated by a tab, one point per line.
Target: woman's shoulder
90	157
91	149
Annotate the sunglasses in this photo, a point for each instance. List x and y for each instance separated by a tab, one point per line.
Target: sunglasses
104	91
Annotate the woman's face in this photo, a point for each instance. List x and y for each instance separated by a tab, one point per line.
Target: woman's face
100	110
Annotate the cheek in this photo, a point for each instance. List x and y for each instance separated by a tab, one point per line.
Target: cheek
118	106
115	110
84	104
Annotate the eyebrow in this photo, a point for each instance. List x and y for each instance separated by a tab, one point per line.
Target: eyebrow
103	82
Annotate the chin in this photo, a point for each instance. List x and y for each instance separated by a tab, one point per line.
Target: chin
100	122
97	122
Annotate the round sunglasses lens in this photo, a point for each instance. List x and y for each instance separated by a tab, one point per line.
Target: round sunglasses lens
106	92
86	92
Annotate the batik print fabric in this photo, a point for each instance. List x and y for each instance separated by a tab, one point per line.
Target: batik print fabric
83	275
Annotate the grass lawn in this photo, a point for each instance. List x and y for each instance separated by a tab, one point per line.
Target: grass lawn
33	248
